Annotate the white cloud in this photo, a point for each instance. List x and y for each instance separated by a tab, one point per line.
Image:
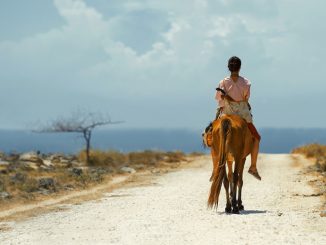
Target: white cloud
152	52
77	12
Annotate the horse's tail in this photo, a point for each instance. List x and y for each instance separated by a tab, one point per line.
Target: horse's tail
220	173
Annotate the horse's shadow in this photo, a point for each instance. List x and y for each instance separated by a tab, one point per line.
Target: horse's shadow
247	212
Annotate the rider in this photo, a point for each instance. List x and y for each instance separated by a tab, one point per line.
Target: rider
232	95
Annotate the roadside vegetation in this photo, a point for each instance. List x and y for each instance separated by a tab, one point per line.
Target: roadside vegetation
31	175
316	151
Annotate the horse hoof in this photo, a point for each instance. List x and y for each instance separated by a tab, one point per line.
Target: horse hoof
235	211
241	207
228	210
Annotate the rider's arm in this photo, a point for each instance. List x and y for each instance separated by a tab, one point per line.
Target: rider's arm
219	96
247	93
247	96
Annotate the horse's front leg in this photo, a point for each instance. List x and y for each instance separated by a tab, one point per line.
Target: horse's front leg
240	183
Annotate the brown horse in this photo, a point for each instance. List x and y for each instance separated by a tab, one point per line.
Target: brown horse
232	141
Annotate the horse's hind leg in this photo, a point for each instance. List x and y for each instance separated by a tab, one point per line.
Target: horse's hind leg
240	184
235	208
230	176
228	202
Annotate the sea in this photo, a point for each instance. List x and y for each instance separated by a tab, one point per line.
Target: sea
274	140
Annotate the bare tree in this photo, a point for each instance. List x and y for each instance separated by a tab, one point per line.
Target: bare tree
78	122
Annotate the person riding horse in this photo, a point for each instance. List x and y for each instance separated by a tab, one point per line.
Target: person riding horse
233	95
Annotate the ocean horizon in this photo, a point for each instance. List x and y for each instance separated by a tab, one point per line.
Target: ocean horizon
274	140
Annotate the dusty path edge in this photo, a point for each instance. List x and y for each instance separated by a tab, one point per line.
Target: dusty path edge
316	179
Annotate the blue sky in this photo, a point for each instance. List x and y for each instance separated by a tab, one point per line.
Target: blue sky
156	63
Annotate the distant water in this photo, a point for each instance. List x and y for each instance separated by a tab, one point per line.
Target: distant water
273	140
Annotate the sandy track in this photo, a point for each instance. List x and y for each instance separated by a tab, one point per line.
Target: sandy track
173	210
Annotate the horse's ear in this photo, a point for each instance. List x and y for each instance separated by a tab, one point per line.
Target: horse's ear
208	127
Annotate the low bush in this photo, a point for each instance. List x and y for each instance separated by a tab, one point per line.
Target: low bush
316	151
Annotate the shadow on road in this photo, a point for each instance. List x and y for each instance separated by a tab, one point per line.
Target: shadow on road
246	212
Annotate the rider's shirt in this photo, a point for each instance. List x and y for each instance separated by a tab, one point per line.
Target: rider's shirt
239	90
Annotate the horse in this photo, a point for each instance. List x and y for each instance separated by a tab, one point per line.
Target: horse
232	141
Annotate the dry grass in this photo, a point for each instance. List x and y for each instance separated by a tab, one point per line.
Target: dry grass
311	150
316	151
116	159
196	154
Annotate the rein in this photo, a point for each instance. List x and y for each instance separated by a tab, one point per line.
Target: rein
225	95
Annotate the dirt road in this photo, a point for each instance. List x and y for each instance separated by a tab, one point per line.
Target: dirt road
172	210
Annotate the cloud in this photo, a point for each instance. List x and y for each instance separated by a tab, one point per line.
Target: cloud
147	56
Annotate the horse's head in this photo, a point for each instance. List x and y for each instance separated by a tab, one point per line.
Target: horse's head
207	135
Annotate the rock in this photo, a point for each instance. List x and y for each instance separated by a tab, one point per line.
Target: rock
46	183
31	165
4	195
139	166
128	170
75	163
64	160
18	178
4	166
31	157
48	163
55	158
155	171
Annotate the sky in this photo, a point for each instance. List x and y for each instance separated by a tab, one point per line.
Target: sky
156	64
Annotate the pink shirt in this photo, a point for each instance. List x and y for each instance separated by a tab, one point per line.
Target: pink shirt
239	91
